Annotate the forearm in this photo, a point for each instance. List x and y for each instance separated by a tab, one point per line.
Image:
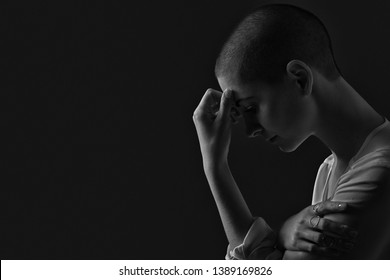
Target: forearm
233	210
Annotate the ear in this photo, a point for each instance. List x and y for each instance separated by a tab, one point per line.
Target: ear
300	73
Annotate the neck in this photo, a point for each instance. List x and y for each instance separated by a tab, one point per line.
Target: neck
344	118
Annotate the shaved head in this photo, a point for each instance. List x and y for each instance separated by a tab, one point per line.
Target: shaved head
268	38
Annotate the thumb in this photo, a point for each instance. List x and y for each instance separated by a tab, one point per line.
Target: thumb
226	104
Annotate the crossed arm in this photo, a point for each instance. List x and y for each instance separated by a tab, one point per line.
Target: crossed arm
333	239
297	236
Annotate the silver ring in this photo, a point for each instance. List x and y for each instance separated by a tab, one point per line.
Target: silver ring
315	208
315	225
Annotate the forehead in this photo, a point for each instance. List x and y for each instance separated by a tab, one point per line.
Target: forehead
240	91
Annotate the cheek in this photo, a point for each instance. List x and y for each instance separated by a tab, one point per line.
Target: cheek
286	117
273	116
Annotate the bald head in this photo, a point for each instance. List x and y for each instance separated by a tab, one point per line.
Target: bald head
268	38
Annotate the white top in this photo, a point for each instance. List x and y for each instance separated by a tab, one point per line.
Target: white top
364	186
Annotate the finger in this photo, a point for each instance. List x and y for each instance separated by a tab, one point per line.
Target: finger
316	249
226	104
312	236
210	99
334	228
208	105
324	240
336	244
328	207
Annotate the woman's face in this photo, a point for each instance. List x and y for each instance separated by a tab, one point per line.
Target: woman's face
281	113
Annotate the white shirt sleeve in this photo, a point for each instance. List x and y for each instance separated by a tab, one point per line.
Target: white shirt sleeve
365	181
259	243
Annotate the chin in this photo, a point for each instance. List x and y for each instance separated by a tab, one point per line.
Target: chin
287	149
290	146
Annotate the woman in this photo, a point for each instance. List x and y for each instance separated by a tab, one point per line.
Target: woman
278	73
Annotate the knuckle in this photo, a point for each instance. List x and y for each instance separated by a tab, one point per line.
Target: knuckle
197	115
316	209
297	234
209	91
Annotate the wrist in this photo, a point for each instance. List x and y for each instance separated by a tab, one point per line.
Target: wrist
212	166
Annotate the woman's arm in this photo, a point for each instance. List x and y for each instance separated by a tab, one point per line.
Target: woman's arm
233	210
213	124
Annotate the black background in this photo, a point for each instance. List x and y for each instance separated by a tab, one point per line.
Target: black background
101	157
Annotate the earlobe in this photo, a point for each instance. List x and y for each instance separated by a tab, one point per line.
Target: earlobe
301	74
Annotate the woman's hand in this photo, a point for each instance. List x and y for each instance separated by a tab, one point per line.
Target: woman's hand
308	231
213	119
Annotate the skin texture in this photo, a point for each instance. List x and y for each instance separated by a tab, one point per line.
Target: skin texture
303	104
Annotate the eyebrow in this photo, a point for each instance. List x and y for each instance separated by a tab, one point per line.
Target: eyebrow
243	99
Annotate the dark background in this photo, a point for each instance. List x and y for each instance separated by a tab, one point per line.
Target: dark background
101	157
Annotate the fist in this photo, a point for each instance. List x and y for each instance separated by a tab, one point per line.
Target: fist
213	119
